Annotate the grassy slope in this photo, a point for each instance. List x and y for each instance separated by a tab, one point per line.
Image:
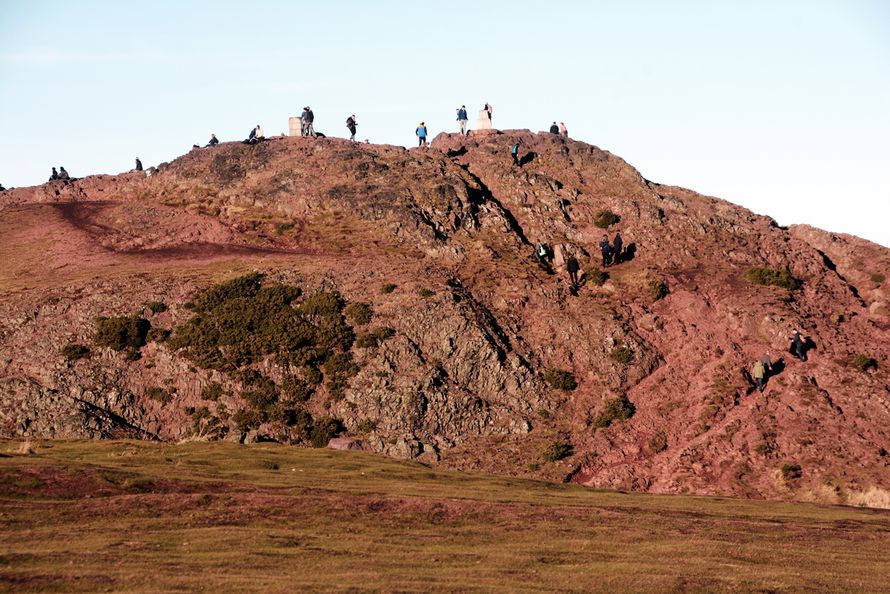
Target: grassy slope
136	516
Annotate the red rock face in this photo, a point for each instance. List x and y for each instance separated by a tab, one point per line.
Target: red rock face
478	321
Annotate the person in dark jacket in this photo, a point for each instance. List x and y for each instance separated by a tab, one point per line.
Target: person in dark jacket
462	119
572	267
351	124
213	140
63	174
54	176
307	120
251	138
554	129
799	346
138	164
606	250
617	245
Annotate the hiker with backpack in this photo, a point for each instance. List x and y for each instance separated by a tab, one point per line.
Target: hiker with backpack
514	152
138	164
554	129
758	373
572	267
799	346
462	119
307	119
351	124
606	250
421	134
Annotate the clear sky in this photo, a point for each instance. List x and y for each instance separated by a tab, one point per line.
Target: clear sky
780	106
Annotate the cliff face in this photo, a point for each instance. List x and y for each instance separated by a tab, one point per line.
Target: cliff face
478	321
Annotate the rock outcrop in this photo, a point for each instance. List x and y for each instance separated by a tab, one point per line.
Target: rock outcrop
439	243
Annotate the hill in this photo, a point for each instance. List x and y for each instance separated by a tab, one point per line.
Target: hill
304	288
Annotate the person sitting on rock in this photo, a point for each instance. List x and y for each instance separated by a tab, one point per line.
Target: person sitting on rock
617	245
759	375
350	125
606	250
251	138
514	152
2	189
63	174
138	164
799	346
260	135
213	140
554	129
54	176
572	268
563	131
421	133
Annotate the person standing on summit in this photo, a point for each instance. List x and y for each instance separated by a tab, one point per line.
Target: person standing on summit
351	124
563	131
421	134
306	120
462	119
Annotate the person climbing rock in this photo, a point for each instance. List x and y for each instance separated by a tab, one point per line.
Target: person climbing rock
514	152
350	125
421	134
63	174
213	140
462	119
572	267
138	164
799	346
617	245
606	250
54	176
759	375
554	129
563	131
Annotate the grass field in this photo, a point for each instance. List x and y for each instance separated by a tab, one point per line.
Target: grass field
136	516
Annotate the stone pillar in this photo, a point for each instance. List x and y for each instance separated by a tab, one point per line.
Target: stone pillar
294	126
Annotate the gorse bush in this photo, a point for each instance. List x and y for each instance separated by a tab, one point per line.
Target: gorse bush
616	409
771	276
560	380
598	277
878	278
212	392
791	471
623	354
121	333
388	288
658	289
73	352
323	430
359	313
157	307
374	338
605	219
863	362
557	451
424	292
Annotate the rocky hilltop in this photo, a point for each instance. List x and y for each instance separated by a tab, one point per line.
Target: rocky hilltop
302	289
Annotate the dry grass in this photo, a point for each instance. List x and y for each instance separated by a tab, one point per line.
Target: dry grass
134	516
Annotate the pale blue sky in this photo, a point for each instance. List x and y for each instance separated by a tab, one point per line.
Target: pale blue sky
782	107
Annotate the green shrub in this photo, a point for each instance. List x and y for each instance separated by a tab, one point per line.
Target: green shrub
324	304
366	426
121	333
616	409
605	219
658	289
597	277
283	228
359	313
375	337
863	362
242	287
159	394
388	288
73	352
296	389
212	391
424	292
323	430
557	451
771	276
623	354
261	395
878	278
158	334
791	471
247	420
157	307
560	380
338	369
658	442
